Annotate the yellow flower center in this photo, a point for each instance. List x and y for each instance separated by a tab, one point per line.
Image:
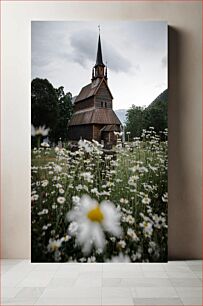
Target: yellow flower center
95	214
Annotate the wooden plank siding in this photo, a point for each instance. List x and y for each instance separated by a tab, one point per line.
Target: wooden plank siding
89	102
103	96
76	132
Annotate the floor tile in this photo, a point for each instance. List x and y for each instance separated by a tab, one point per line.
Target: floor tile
128	267
158	301
37	279
155	274
197	268
176	268
112	282
72	292
22	301
30	292
61	282
192	301
198	274
185	282
9	292
6	268
172	283
46	267
128	301
189	291
193	262
181	274
123	274
146	282
92	267
69	301
67	274
151	267
116	292
88	282
154	292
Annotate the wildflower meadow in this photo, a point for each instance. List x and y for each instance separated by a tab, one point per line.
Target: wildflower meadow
95	205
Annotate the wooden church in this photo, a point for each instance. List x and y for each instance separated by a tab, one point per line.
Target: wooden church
93	116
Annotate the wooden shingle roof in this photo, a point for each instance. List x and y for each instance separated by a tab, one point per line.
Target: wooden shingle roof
91	90
86	92
96	116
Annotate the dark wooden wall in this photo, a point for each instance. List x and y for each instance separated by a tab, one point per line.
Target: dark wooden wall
78	131
84	104
103	95
96	131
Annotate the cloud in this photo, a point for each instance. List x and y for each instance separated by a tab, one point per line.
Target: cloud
84	44
84	47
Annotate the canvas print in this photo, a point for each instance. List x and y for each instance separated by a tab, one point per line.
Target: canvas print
99	163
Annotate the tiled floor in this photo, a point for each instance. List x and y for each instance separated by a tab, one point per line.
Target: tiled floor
174	283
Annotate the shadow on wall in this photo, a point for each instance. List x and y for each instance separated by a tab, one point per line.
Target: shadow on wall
184	207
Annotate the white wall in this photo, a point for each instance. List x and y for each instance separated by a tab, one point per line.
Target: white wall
184	19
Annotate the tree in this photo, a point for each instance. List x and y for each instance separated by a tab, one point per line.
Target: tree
44	104
156	116
65	112
135	120
51	108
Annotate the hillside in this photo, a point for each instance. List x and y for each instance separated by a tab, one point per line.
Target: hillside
163	97
121	114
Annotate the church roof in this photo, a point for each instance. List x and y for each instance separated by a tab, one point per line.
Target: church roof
86	92
110	128
90	90
96	116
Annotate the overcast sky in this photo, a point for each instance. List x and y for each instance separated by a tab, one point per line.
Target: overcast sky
136	55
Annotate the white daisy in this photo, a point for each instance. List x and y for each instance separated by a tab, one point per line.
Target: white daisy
76	200
93	220
146	200
122	244
147	228
61	191
84	144
120	258
73	228
44	183
61	200
41	130
131	233
34	197
45	145
53	245
165	197
87	176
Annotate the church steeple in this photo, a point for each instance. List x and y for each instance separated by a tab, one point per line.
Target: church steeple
99	70
99	61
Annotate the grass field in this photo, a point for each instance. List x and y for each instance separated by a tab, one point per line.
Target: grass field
96	206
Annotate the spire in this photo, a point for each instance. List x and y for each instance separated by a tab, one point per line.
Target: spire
99	61
99	68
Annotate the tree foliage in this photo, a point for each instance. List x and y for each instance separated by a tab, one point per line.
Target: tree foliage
65	112
135	120
50	107
44	104
156	115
